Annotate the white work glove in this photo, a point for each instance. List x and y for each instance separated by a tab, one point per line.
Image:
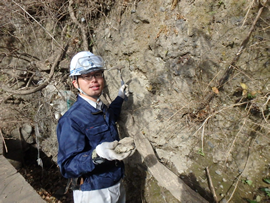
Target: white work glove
106	151
123	91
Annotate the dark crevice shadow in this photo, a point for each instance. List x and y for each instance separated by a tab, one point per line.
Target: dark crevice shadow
134	181
192	182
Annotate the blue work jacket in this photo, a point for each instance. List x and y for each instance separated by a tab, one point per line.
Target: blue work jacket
79	131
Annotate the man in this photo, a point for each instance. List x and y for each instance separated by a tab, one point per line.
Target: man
87	136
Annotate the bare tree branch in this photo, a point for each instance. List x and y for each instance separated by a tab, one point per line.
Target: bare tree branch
37	23
41	86
212	188
82	27
231	69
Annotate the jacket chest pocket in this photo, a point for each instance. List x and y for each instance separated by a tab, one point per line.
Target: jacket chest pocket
98	133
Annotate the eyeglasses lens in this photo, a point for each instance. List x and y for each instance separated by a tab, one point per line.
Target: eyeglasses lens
90	77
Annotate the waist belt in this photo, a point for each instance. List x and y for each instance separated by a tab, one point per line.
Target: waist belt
75	183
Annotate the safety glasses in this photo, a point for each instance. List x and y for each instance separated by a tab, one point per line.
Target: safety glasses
89	77
88	62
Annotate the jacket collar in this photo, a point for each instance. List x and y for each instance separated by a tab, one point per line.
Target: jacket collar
97	105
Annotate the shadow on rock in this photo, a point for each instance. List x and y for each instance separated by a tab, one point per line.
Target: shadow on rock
192	182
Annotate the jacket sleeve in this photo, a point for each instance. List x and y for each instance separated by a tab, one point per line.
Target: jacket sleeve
116	106
74	157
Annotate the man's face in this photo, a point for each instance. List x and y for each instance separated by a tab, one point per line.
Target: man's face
91	83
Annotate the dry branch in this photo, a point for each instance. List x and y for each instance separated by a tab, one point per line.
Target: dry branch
211	184
240	175
82	27
231	68
4	141
41	86
234	140
37	22
174	4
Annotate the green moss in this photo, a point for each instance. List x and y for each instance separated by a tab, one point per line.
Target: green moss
157	194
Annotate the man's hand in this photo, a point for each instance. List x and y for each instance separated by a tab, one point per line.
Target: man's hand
123	91
106	151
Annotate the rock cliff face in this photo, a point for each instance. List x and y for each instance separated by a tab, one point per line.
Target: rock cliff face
176	58
198	74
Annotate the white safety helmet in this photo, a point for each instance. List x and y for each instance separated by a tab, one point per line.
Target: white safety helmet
85	62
